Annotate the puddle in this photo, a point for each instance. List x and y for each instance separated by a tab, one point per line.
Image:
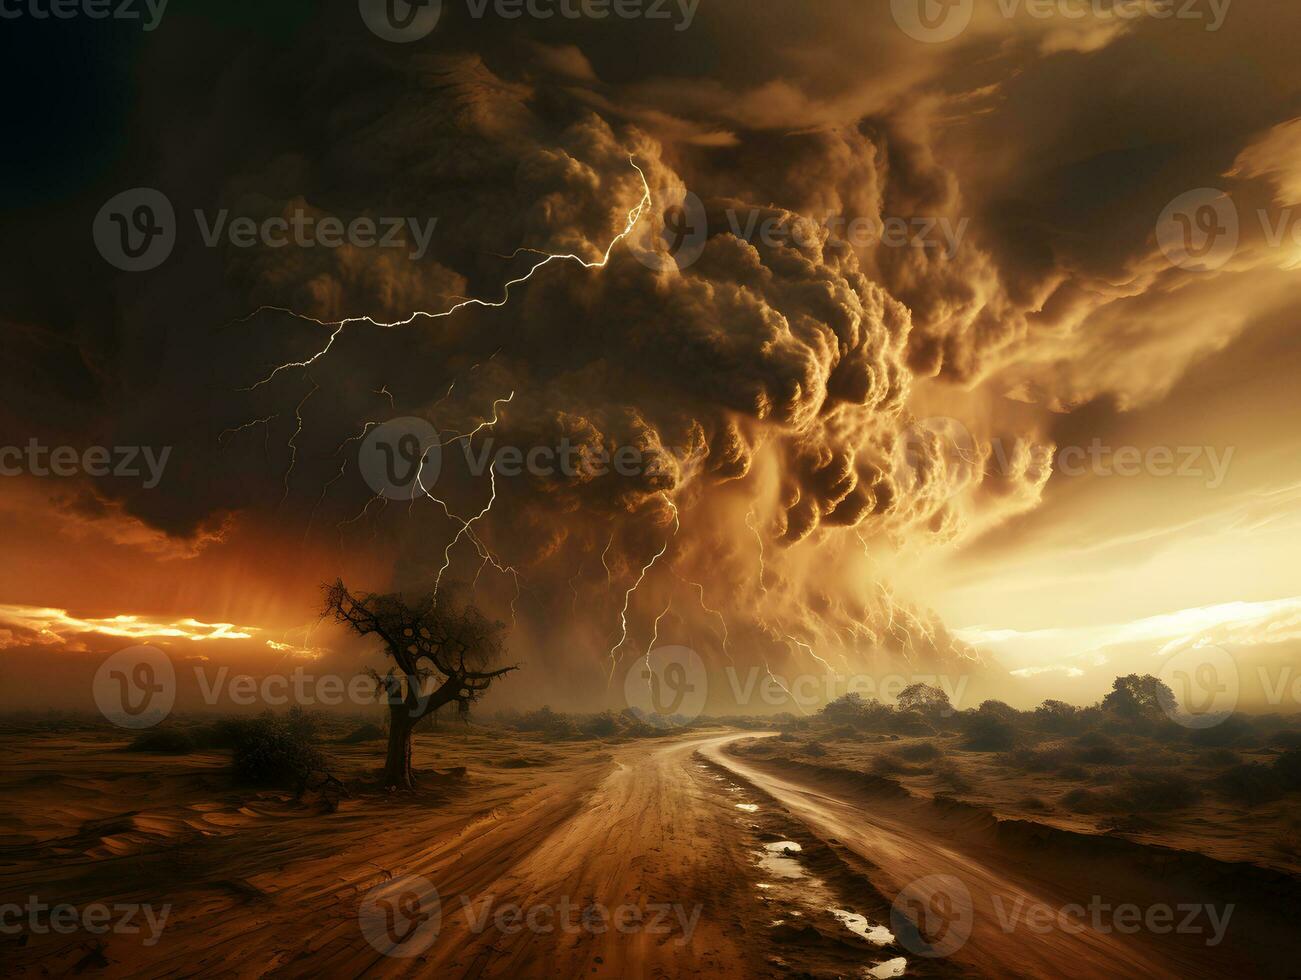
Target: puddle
860	926
778	860
887	969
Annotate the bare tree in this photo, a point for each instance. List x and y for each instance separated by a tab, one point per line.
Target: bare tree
443	653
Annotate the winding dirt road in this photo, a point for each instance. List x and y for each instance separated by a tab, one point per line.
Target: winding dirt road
635	860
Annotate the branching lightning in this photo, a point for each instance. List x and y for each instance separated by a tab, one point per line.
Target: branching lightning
337	328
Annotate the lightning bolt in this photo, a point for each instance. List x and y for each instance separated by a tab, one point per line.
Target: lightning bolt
627	596
763	568
655	635
804	646
337	328
700	591
634	216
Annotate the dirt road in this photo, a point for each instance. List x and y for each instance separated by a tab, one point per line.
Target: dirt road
643	859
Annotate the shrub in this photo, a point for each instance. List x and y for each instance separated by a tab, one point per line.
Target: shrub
1251	784
987	732
604	725
1148	790
1288	769
1231	731
1098	749
888	764
362	733
1036	760
551	724
1219	758
172	741
948	775
1286	740
278	750
920	752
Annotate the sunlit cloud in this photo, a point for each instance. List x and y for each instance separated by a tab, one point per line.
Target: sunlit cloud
49	625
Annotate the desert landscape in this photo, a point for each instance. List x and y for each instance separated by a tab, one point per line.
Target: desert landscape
601	846
650	489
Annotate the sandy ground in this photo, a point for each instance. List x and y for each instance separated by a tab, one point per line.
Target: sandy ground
1214	826
259	885
672	857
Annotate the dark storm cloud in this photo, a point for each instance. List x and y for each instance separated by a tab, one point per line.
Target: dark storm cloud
766	385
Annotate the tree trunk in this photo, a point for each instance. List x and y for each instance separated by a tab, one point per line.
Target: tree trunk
397	764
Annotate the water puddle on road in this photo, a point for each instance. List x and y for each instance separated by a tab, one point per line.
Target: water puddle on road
779	859
860	926
791	885
887	969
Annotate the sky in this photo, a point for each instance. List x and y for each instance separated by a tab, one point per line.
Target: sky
959	347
